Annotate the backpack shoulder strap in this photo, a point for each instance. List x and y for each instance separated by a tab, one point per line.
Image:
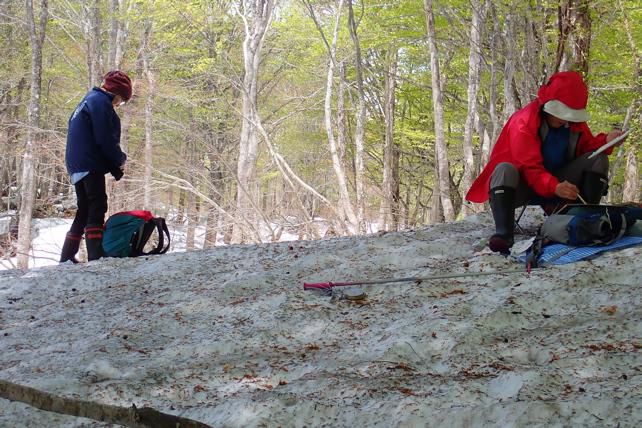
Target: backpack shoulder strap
157	223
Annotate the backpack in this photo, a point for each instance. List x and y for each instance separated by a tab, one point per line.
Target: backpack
126	234
585	225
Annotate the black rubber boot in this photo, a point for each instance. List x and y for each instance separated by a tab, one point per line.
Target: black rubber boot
70	247
594	186
94	240
502	204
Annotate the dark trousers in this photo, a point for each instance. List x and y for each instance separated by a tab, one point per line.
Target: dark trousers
92	202
506	175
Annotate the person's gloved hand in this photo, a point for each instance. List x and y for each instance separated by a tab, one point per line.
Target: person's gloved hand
118	173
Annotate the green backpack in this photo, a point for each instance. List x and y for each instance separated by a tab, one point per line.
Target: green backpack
127	233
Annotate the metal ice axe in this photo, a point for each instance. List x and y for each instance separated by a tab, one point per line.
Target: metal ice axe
329	285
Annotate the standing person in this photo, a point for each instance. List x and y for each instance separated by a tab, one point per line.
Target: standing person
542	157
93	149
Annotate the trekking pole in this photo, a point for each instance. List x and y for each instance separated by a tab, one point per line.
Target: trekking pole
418	279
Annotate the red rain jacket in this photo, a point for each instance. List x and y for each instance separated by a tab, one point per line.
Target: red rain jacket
519	142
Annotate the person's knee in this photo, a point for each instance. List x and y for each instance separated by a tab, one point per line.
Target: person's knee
505	174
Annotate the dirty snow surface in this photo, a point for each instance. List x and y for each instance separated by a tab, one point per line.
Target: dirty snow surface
229	337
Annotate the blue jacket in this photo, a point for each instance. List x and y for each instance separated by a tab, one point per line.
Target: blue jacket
93	136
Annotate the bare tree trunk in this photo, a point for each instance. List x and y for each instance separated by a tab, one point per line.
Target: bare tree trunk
149	107
92	35
510	102
563	28
485	141
581	36
342	184
192	210
442	185
257	15
216	183
291	178
530	61
632	189
114	27
10	171
474	60
491	136
36	38
118	191
181	208
342	129
359	134
543	14
118	29
389	209
436	214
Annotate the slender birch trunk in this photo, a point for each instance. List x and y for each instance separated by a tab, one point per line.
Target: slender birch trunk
12	138
581	46
493	90
114	27
632	190
389	209
474	60
510	101
360	114
28	192
117	191
256	15
564	28
92	37
118	29
216	186
530	61
344	196
342	129
192	211
443	178
436	212
149	108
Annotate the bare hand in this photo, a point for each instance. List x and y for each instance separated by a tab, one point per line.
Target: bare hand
566	190
614	134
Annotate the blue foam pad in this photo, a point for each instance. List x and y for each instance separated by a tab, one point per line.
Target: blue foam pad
559	254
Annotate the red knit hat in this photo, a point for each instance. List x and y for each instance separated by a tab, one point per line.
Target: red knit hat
118	83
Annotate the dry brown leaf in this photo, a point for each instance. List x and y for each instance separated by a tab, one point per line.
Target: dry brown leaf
611	310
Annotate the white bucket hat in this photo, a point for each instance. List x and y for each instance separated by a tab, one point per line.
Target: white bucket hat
564	112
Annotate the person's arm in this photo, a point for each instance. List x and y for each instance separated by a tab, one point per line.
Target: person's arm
526	150
107	135
588	142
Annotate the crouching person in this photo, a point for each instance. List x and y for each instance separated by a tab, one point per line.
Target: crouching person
542	158
93	150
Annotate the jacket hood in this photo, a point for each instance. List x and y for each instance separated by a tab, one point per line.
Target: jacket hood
567	87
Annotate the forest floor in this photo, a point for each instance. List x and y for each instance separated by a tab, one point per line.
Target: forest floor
229	337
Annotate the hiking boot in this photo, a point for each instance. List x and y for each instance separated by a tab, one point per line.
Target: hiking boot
70	248
94	241
502	204
594	186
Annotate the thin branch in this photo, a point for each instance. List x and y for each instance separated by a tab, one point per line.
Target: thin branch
130	417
